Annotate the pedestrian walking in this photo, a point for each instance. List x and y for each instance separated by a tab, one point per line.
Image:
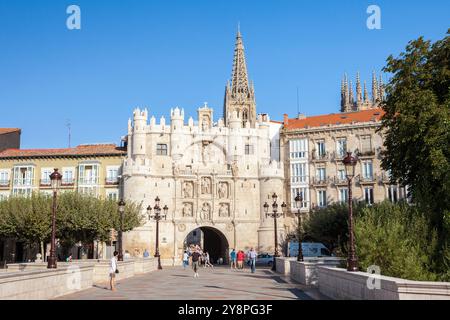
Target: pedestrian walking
252	258
146	253
240	259
195	262
113	270
233	259
207	260
185	259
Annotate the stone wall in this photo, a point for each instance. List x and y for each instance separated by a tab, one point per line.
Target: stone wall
340	284
35	281
306	272
283	265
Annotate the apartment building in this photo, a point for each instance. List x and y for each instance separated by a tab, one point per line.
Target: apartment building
314	148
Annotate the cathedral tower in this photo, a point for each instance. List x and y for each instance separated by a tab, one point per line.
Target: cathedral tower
239	94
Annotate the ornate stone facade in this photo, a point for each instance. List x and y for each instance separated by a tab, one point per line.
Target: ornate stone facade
212	175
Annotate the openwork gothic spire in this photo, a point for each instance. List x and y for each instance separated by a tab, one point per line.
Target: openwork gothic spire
239	94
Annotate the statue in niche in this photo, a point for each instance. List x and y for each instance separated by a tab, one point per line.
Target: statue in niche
224	210
188	190
206	185
206	154
206	212
187	210
223	190
205	123
176	169
234	169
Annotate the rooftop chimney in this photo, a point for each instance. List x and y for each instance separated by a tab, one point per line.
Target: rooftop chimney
285	119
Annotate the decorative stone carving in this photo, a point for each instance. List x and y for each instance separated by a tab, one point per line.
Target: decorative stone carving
230	227
188	189
187	209
234	169
206	152
223	190
205	213
224	210
176	169
206	185
181	227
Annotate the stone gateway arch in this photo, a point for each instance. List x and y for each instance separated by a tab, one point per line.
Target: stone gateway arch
213	176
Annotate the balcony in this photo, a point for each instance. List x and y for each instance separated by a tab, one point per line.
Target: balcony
385	178
90	181
369	153
67	182
366	180
316	157
23	182
112	181
46	183
338	181
320	182
4	184
336	156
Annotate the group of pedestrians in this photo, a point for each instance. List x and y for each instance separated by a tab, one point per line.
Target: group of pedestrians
237	259
196	257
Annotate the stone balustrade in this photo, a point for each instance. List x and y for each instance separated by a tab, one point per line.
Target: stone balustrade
283	264
306	272
337	283
35	281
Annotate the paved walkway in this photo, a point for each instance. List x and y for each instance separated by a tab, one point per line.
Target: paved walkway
174	283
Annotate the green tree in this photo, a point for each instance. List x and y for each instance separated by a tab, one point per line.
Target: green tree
395	238
416	126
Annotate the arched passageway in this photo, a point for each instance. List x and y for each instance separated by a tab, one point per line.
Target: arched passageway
211	240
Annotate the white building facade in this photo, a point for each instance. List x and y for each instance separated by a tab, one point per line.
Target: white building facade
214	176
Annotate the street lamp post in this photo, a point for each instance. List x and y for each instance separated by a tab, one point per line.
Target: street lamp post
350	163
298	201
157	216
55	179
275	215
119	236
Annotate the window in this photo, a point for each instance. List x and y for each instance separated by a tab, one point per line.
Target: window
321	174
45	175
393	193
68	176
88	174
298	173
320	148
368	195
366	143
23	176
341	174
343	195
4	177
161	149
248	149
367	170
322	198
298	148
341	147
113	195
112	174
304	193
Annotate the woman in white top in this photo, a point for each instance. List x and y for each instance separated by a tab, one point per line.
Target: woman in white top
113	270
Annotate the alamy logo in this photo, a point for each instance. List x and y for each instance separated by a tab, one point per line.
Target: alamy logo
374	20
374	281
73	22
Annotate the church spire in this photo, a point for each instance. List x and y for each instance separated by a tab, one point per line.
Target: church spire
239	94
239	77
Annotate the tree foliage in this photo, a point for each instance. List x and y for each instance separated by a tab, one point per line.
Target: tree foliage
80	218
416	125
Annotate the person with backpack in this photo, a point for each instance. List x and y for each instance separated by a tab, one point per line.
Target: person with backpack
195	262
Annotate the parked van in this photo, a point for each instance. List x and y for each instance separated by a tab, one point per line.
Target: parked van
310	249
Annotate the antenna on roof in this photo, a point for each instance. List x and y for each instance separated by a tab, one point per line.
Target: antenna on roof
68	128
298	103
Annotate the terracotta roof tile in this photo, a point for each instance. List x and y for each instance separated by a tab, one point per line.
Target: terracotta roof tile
334	119
82	150
8	130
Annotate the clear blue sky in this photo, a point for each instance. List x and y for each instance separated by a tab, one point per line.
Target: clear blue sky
163	54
